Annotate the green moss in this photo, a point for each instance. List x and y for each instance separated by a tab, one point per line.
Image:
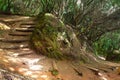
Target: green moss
44	38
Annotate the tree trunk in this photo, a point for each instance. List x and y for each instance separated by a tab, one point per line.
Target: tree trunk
65	43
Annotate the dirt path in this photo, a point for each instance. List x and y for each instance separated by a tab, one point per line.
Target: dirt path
17	57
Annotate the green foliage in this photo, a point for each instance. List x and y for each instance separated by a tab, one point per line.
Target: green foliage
108	44
61	8
23	7
26	7
4	5
47	5
115	2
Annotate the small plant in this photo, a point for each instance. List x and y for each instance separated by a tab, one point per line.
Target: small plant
54	72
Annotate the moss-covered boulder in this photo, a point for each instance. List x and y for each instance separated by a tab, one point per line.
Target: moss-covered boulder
50	37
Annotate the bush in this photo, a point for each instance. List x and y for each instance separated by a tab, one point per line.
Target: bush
108	46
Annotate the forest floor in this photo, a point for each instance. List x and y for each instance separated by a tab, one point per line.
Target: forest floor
16	57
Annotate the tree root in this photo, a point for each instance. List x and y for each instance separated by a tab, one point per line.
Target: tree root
7	75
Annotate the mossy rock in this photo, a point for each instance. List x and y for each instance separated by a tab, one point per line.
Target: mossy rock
49	37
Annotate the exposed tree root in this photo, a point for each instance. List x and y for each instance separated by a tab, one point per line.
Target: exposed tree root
7	75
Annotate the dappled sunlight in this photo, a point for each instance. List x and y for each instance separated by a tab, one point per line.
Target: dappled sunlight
22	70
31	73
44	76
34	76
21	46
5	60
16	18
4	26
35	67
11	69
12	54
28	73
26	49
13	60
15	54
24	66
